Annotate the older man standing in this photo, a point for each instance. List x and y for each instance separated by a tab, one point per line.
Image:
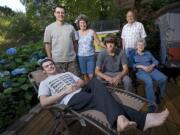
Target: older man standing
60	42
131	33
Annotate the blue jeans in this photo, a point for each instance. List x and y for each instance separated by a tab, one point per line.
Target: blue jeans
130	52
148	78
95	96
87	64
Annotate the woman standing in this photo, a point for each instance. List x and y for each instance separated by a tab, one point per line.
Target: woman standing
86	51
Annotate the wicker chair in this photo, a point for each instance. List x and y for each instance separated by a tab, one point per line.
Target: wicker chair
63	114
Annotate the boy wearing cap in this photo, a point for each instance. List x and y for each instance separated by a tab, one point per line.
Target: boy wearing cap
111	65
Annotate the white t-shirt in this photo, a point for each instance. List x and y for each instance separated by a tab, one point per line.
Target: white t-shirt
57	83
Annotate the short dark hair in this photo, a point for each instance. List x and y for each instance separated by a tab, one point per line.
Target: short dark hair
132	11
41	61
110	38
58	6
80	18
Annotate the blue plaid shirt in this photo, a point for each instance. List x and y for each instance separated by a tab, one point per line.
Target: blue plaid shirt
145	59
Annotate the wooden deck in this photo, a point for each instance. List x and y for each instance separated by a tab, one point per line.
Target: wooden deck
40	122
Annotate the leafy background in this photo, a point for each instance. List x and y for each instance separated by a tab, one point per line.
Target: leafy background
17	96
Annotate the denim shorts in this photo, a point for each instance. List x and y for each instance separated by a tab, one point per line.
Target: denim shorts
87	64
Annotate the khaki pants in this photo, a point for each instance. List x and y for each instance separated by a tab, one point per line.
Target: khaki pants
68	67
126	80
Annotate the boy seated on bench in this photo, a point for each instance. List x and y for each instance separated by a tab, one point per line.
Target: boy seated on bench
112	64
66	88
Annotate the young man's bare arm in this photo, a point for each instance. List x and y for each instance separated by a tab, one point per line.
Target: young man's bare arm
50	100
79	84
97	40
75	45
75	41
102	75
48	48
124	72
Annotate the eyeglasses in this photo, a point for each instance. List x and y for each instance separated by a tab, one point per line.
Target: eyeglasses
59	12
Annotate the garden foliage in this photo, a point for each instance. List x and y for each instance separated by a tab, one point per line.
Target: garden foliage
17	96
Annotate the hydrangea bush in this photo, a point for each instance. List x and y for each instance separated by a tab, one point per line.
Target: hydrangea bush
16	93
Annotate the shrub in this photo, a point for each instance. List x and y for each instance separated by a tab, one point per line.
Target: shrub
16	93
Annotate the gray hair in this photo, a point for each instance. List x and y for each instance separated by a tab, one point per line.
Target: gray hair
141	41
82	17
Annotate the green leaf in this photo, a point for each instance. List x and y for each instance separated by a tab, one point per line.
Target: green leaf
25	87
18	60
21	80
8	91
16	84
28	96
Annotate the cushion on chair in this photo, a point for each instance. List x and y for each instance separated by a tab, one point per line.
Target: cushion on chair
128	100
38	76
101	119
98	116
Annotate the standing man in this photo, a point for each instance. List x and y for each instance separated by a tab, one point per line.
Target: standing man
60	41
111	65
131	33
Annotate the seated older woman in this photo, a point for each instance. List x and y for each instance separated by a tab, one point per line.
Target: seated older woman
146	64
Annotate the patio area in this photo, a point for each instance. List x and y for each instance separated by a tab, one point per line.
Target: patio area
40	122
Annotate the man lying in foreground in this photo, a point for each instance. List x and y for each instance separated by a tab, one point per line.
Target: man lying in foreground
66	88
